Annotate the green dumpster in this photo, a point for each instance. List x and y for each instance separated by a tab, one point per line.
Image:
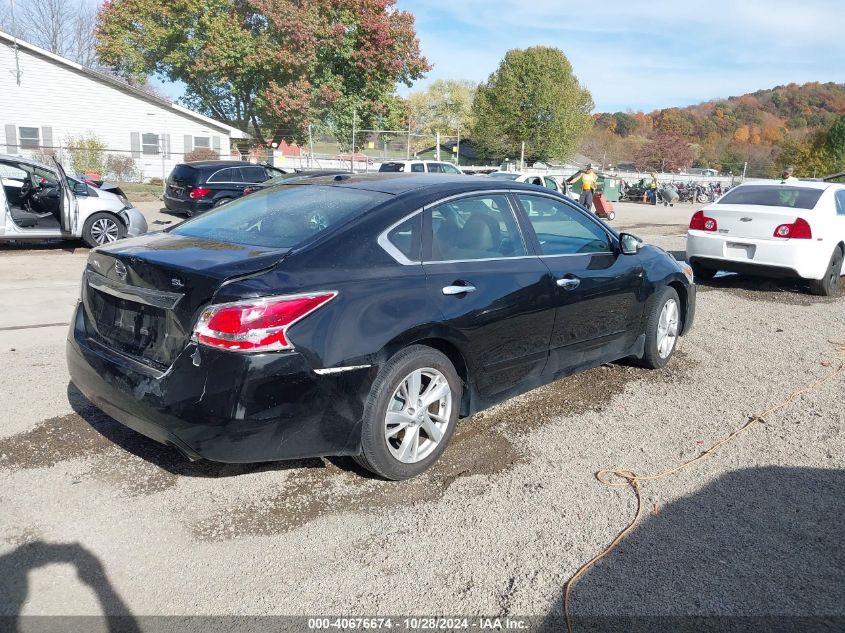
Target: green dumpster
609	186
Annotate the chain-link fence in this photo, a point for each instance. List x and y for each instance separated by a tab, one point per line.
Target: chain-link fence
326	151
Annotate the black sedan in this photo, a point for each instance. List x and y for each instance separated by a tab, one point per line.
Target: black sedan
363	315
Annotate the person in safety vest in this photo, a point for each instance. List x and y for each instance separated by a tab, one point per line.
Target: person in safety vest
652	188
788	197
588	180
787	175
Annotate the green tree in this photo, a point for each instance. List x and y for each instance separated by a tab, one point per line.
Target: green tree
535	98
446	105
87	154
625	124
268	66
834	146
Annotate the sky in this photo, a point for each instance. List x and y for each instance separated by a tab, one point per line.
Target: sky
642	55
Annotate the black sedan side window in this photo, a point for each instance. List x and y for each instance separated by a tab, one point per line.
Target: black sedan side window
561	229
479	227
406	238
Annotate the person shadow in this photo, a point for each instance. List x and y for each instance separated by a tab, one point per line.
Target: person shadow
14	589
758	549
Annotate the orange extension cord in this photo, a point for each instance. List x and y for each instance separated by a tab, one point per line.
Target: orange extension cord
626	477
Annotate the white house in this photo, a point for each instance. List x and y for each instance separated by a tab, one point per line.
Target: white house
46	99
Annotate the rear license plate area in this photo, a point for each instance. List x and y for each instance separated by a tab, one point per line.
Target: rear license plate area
738	250
128	325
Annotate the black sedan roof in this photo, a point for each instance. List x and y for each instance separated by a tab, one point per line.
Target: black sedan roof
400	183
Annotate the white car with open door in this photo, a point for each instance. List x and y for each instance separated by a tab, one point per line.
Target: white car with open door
794	229
41	202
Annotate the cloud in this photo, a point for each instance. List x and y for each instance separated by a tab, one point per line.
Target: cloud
642	55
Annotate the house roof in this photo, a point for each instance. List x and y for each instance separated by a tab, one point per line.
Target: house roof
10	40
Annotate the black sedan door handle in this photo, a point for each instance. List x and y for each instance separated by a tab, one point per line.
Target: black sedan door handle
569	283
458	290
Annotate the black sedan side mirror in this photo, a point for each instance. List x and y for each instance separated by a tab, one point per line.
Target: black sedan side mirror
629	244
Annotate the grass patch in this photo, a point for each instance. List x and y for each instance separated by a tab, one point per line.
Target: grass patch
140	192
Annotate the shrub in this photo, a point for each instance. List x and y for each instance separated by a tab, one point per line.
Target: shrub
155	180
45	155
87	154
121	167
201	153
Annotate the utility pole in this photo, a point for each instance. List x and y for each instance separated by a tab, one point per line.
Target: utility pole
310	147
522	158
409	138
352	155
458	146
437	145
744	167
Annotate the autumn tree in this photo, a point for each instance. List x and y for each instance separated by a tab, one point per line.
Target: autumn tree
269	66
535	98
666	152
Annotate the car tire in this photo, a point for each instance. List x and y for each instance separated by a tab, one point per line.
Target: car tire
702	273
387	448
102	228
663	329
829	285
220	202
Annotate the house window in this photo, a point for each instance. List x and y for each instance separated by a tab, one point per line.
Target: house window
150	144
30	138
202	142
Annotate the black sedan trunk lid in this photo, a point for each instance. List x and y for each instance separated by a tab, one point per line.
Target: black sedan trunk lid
142	296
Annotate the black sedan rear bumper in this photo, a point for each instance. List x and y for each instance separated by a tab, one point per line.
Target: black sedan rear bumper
224	406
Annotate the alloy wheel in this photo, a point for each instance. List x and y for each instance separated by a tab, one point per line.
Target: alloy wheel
104	231
667	328
418	415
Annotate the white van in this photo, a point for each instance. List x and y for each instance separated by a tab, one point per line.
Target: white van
41	202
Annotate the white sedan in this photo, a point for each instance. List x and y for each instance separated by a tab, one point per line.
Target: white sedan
548	182
795	229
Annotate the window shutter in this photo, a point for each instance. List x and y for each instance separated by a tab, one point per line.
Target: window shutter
189	143
11	139
215	143
135	143
47	137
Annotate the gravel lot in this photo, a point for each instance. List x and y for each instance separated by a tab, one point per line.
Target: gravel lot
98	519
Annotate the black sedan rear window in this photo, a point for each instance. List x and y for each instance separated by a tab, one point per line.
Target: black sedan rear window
281	217
773	196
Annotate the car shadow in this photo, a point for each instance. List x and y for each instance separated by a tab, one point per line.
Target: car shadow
70	246
15	589
165	457
758	549
751	283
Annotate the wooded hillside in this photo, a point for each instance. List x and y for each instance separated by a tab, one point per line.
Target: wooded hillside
792	124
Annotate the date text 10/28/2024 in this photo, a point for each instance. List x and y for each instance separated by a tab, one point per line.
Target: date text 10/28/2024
419	623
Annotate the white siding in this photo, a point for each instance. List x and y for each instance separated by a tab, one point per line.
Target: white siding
71	103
